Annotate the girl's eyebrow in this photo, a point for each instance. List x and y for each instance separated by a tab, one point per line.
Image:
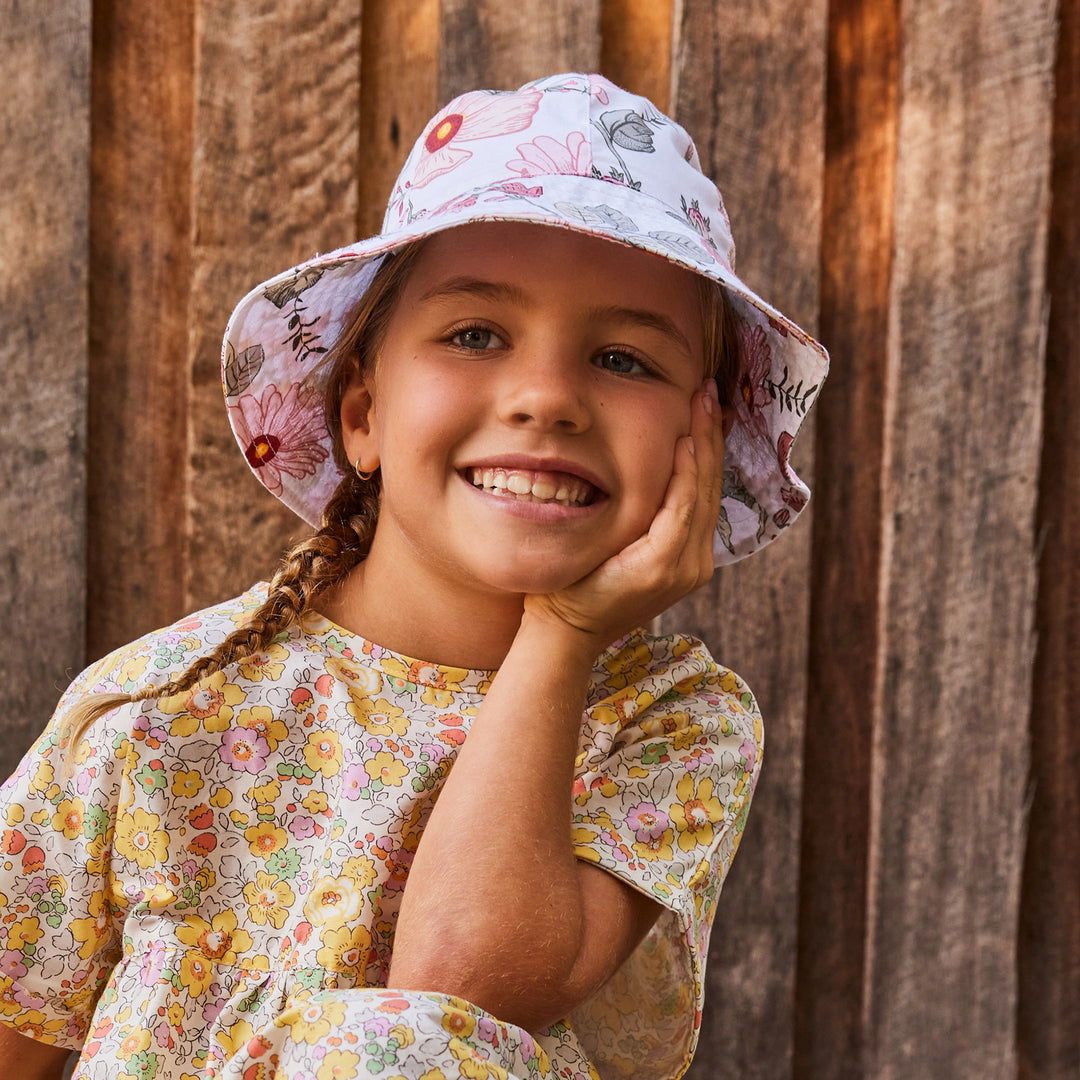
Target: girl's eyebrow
489	290
501	290
650	320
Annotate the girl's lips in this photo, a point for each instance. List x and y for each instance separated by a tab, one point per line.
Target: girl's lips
533	485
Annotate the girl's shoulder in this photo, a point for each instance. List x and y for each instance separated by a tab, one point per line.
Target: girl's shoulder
164	653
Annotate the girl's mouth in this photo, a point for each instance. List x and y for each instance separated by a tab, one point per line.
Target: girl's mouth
527	485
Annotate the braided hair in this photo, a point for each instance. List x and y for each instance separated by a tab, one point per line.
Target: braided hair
322	562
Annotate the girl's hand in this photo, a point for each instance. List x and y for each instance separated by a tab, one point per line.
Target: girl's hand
672	559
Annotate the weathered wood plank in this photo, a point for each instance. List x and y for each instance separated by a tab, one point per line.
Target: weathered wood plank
860	161
963	415
44	120
276	153
1048	1022
140	280
636	46
749	86
499	46
398	95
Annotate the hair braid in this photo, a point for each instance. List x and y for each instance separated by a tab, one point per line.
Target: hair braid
313	566
323	561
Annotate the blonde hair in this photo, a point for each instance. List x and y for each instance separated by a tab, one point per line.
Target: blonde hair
720	338
323	561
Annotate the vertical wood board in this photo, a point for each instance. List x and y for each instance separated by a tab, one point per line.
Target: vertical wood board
140	282
749	87
398	95
494	45
1048	953
276	150
44	121
963	423
845	613
636	47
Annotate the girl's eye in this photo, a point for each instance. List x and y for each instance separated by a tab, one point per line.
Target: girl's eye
477	338
621	363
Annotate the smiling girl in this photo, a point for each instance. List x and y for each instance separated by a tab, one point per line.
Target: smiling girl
431	803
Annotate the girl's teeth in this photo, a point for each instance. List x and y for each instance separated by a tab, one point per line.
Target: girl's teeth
568	491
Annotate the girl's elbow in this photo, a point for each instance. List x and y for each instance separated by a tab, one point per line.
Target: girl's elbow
529	986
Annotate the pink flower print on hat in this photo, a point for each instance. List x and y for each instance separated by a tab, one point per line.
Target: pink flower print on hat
545	155
520	191
283	434
783	449
752	396
476	115
596	88
702	226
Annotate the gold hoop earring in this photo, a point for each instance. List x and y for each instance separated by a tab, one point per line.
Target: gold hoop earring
365	476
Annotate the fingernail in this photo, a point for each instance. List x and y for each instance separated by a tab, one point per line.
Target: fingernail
707	401
690	445
713	389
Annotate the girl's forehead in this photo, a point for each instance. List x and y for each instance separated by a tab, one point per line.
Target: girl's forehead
548	257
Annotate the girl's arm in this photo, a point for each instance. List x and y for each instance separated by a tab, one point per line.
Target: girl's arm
497	908
29	1059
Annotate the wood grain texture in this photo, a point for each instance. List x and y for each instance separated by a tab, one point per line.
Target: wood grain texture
749	86
860	163
398	95
276	151
955	646
44	120
1048	954
636	45
140	282
494	45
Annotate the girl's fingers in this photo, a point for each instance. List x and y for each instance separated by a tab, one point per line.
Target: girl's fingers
661	548
708	440
682	530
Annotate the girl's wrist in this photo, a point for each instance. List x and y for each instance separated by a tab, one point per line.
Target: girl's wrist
544	631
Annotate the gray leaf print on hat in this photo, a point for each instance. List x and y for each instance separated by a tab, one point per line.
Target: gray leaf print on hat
284	291
238	372
597	215
628	129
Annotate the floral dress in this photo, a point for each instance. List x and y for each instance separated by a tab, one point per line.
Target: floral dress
212	890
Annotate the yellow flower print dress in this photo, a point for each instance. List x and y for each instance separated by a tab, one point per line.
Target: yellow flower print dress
212	892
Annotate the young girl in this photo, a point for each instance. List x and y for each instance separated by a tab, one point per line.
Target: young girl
270	840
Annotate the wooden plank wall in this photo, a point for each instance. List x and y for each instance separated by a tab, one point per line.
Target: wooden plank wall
44	210
902	179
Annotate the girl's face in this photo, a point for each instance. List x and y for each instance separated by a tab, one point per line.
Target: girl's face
524	407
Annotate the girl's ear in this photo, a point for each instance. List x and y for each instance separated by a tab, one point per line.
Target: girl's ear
359	430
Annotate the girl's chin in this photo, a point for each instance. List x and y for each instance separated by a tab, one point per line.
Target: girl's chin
536	580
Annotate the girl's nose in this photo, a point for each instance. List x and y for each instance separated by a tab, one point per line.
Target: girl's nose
548	392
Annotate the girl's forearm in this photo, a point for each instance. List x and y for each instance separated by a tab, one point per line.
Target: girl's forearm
29	1059
493	908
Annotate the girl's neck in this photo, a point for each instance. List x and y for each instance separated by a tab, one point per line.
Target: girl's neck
427	620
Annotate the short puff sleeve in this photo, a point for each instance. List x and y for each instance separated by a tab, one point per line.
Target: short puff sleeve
60	937
670	754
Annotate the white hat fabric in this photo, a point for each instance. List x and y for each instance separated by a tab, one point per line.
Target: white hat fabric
573	151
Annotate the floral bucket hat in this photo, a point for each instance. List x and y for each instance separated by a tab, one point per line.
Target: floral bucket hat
573	151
